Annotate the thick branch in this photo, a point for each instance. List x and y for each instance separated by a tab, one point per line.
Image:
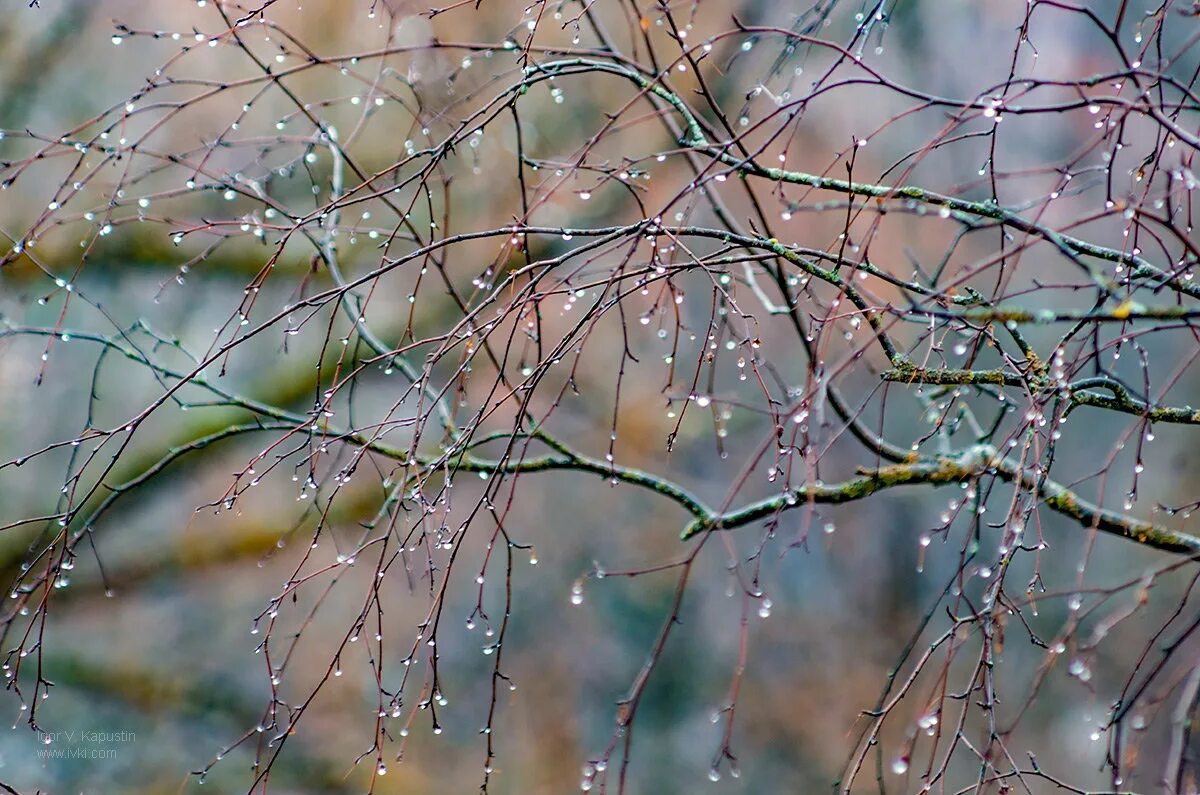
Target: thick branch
974	463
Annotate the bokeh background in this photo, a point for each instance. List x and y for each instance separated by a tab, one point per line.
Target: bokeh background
160	644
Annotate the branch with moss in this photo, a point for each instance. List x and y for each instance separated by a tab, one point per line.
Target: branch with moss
906	372
1122	401
960	209
1079	393
976	462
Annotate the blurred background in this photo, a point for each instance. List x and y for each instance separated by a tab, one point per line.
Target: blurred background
152	635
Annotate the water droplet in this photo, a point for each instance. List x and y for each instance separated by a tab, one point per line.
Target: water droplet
1079	669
